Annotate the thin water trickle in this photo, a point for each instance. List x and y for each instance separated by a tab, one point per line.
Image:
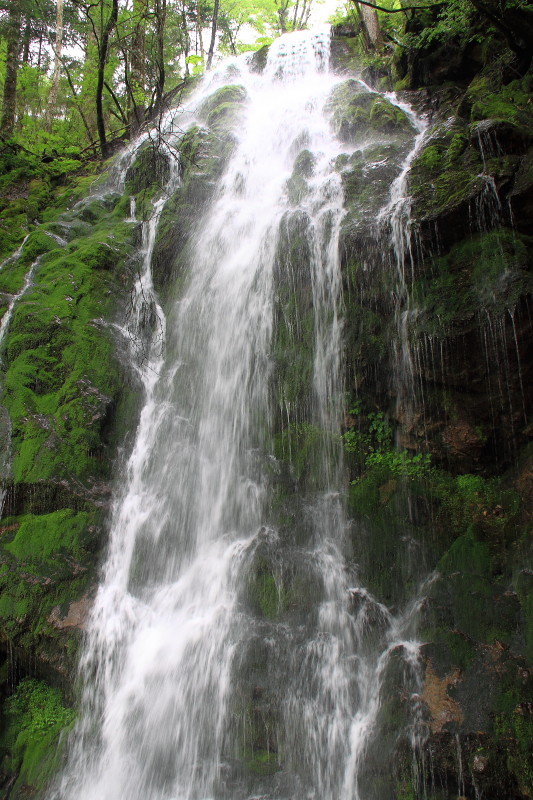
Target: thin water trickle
395	221
6	319
173	637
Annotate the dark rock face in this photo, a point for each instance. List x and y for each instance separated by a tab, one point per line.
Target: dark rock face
454	333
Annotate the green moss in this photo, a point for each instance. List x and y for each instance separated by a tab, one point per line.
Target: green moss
524	589
300	444
456	148
42	538
487	271
297	189
467	570
34	718
261	762
226	96
357	114
304	164
491	100
431	157
364	494
385	116
264	592
150	169
446	172
203	156
457	646
58	386
515	731
225	116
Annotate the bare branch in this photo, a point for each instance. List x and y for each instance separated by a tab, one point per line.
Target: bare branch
398	10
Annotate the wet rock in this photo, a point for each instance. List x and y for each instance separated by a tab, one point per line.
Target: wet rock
76	616
358	115
442	708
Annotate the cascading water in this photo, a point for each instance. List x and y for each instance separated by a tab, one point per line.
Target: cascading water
189	691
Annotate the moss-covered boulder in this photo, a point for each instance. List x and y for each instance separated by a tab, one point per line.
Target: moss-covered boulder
358	115
446	178
203	155
221	111
150	168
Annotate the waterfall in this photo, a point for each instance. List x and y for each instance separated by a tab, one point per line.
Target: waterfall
231	650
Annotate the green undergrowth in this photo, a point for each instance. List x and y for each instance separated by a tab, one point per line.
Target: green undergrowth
34	720
33	190
369	441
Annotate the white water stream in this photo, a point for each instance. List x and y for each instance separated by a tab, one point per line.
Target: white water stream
163	664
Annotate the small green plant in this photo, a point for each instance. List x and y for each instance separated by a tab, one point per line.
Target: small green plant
39	707
400	462
372	442
34	717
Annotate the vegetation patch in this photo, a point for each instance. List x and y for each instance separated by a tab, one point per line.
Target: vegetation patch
34	718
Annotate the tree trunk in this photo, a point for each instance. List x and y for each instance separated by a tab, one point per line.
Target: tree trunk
27	41
283	10
370	26
9	106
199	40
213	34
137	65
185	34
52	97
103	48
160	19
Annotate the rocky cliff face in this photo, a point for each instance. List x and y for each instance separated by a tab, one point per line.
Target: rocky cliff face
438	417
453	327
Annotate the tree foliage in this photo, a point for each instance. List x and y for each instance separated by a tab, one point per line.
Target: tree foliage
92	72
464	19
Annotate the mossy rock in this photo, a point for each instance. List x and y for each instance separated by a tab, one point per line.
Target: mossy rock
58	388
265	591
489	271
357	114
221	111
304	164
446	178
224	117
488	98
297	186
262	762
151	166
258	59
367	175
203	157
